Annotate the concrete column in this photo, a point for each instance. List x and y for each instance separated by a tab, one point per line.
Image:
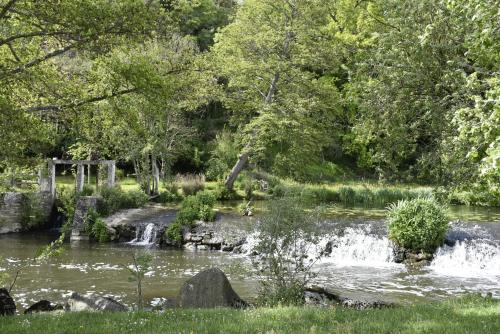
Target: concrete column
80	177
51	169
111	174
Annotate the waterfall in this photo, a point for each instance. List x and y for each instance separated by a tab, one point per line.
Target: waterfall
359	247
468	258
354	247
145	237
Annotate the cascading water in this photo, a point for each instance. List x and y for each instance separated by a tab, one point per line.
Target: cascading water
146	236
359	247
468	258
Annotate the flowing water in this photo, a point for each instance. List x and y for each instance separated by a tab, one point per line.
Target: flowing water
360	264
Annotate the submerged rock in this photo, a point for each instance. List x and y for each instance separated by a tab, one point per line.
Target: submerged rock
78	303
318	296
209	288
43	306
7	305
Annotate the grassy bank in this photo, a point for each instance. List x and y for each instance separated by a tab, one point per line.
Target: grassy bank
469	315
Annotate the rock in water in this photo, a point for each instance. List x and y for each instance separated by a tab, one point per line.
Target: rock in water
7	305
209	288
42	306
78	302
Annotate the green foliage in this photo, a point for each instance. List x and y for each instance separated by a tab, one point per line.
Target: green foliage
197	207
167	197
140	266
96	227
32	211
66	202
223	156
286	238
418	225
174	232
114	199
224	194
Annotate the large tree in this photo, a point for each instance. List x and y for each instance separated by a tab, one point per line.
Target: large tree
273	56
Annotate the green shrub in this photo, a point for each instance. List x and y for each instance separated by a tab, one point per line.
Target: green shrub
167	197
87	190
197	207
96	227
418	224
174	232
223	194
286	235
115	199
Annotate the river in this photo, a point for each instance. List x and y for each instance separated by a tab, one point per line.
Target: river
360	265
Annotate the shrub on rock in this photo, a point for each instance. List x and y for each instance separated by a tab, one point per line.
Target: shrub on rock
418	224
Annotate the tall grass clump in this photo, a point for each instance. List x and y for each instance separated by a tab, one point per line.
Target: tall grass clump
190	183
418	224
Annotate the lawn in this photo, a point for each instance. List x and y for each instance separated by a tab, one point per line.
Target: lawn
469	315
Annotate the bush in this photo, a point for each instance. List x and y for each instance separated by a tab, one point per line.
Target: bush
287	240
190	183
418	224
223	194
167	197
115	199
96	227
197	207
174	232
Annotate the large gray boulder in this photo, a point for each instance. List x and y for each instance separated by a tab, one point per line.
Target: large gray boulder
7	305
209	288
78	303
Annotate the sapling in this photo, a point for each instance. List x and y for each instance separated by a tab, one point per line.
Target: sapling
140	266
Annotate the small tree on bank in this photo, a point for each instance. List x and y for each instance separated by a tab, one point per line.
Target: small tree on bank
287	250
140	266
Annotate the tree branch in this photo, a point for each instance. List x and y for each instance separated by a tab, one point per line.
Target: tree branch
55	107
32	34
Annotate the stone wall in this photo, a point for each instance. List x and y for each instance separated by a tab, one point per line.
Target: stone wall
13	209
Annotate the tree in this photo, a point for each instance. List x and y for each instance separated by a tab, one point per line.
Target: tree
272	56
44	44
140	266
148	126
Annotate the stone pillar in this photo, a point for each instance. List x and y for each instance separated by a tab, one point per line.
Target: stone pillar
51	169
80	178
111	174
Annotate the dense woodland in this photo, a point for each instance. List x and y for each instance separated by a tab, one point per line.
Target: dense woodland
312	90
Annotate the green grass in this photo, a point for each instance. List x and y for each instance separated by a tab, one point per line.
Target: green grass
469	315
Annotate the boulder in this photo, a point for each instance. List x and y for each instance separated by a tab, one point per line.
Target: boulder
42	306
318	296
209	288
7	305
78	302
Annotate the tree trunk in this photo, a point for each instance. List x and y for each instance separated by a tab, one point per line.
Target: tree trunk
242	160
156	176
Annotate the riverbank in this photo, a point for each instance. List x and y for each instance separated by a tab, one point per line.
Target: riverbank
467	315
